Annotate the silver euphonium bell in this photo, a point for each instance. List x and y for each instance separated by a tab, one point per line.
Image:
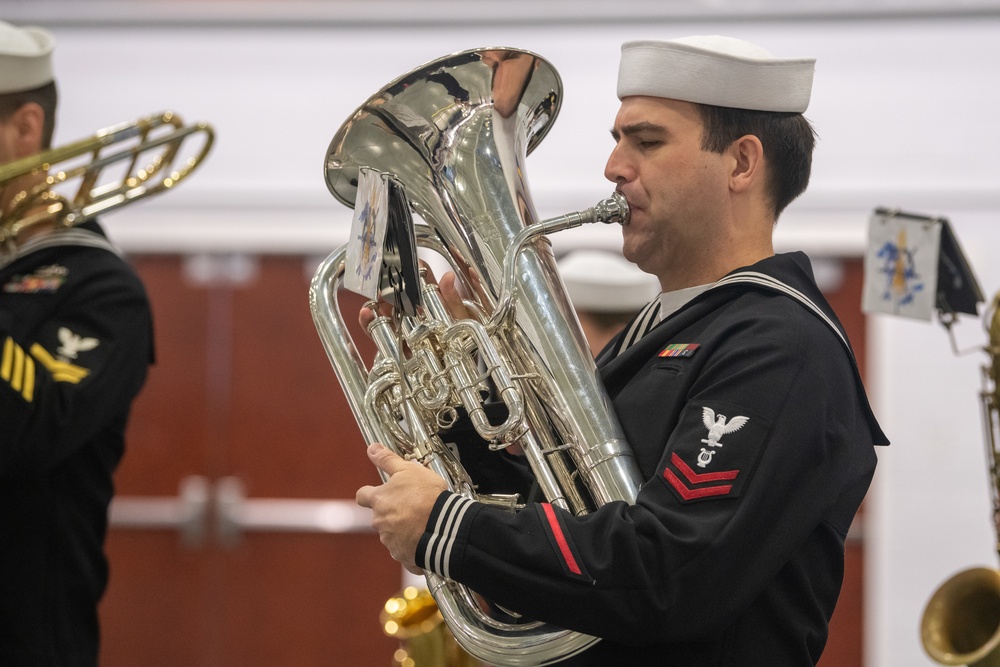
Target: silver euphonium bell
452	137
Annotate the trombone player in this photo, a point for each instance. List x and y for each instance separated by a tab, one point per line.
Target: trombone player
76	340
736	388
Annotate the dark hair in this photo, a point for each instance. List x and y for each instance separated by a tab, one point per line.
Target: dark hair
45	96
788	140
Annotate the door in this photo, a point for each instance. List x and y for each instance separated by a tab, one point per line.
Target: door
845	646
235	538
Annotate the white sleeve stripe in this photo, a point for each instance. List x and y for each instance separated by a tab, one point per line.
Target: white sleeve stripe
445	531
444	535
432	542
457	515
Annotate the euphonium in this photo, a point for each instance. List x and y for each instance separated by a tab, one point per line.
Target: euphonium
116	166
452	136
961	622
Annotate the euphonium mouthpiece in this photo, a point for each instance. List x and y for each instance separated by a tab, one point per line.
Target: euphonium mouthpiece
614	209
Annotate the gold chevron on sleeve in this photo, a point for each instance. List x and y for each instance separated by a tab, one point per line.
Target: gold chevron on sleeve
17	369
62	371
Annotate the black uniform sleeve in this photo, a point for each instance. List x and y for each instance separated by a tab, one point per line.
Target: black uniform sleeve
491	471
724	512
71	361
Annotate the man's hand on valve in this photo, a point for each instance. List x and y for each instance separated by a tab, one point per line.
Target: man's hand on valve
400	506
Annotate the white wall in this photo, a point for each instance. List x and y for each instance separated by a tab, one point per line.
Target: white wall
905	108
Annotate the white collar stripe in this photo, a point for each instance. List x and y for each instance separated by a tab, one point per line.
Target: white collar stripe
646	320
775	284
63	237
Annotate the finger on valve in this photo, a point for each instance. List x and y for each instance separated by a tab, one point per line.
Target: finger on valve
369	311
452	297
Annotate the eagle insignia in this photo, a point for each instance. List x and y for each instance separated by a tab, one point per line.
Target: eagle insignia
72	344
718	426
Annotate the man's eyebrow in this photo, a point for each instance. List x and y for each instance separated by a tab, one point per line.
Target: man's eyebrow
635	128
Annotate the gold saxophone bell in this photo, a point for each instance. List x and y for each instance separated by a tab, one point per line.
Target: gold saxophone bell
116	166
961	622
412	617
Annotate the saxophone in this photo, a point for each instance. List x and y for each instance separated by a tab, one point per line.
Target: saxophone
452	136
961	622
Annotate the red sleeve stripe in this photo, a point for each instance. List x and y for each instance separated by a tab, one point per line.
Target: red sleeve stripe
557	532
700	478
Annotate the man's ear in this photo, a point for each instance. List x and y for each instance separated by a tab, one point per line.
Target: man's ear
28	123
748	156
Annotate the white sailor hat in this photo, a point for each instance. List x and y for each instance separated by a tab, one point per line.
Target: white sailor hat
25	58
605	282
721	71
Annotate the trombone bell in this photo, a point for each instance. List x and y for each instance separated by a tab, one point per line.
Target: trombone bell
114	167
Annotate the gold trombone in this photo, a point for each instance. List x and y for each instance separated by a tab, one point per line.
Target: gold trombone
125	151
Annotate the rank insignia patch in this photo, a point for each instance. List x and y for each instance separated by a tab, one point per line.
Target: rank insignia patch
702	465
44	279
679	350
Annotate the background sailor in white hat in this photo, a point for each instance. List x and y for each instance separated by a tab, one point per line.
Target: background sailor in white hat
606	291
27	97
736	391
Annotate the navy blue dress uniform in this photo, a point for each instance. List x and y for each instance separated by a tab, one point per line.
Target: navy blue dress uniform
749	421
737	390
76	340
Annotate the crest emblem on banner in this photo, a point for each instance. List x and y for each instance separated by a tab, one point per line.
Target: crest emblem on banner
901	266
365	247
914	266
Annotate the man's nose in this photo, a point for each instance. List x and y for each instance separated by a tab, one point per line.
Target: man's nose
616	169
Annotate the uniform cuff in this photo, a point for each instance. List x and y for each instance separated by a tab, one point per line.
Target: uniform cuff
441	546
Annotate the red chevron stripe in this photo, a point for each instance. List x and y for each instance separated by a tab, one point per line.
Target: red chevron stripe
690	494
